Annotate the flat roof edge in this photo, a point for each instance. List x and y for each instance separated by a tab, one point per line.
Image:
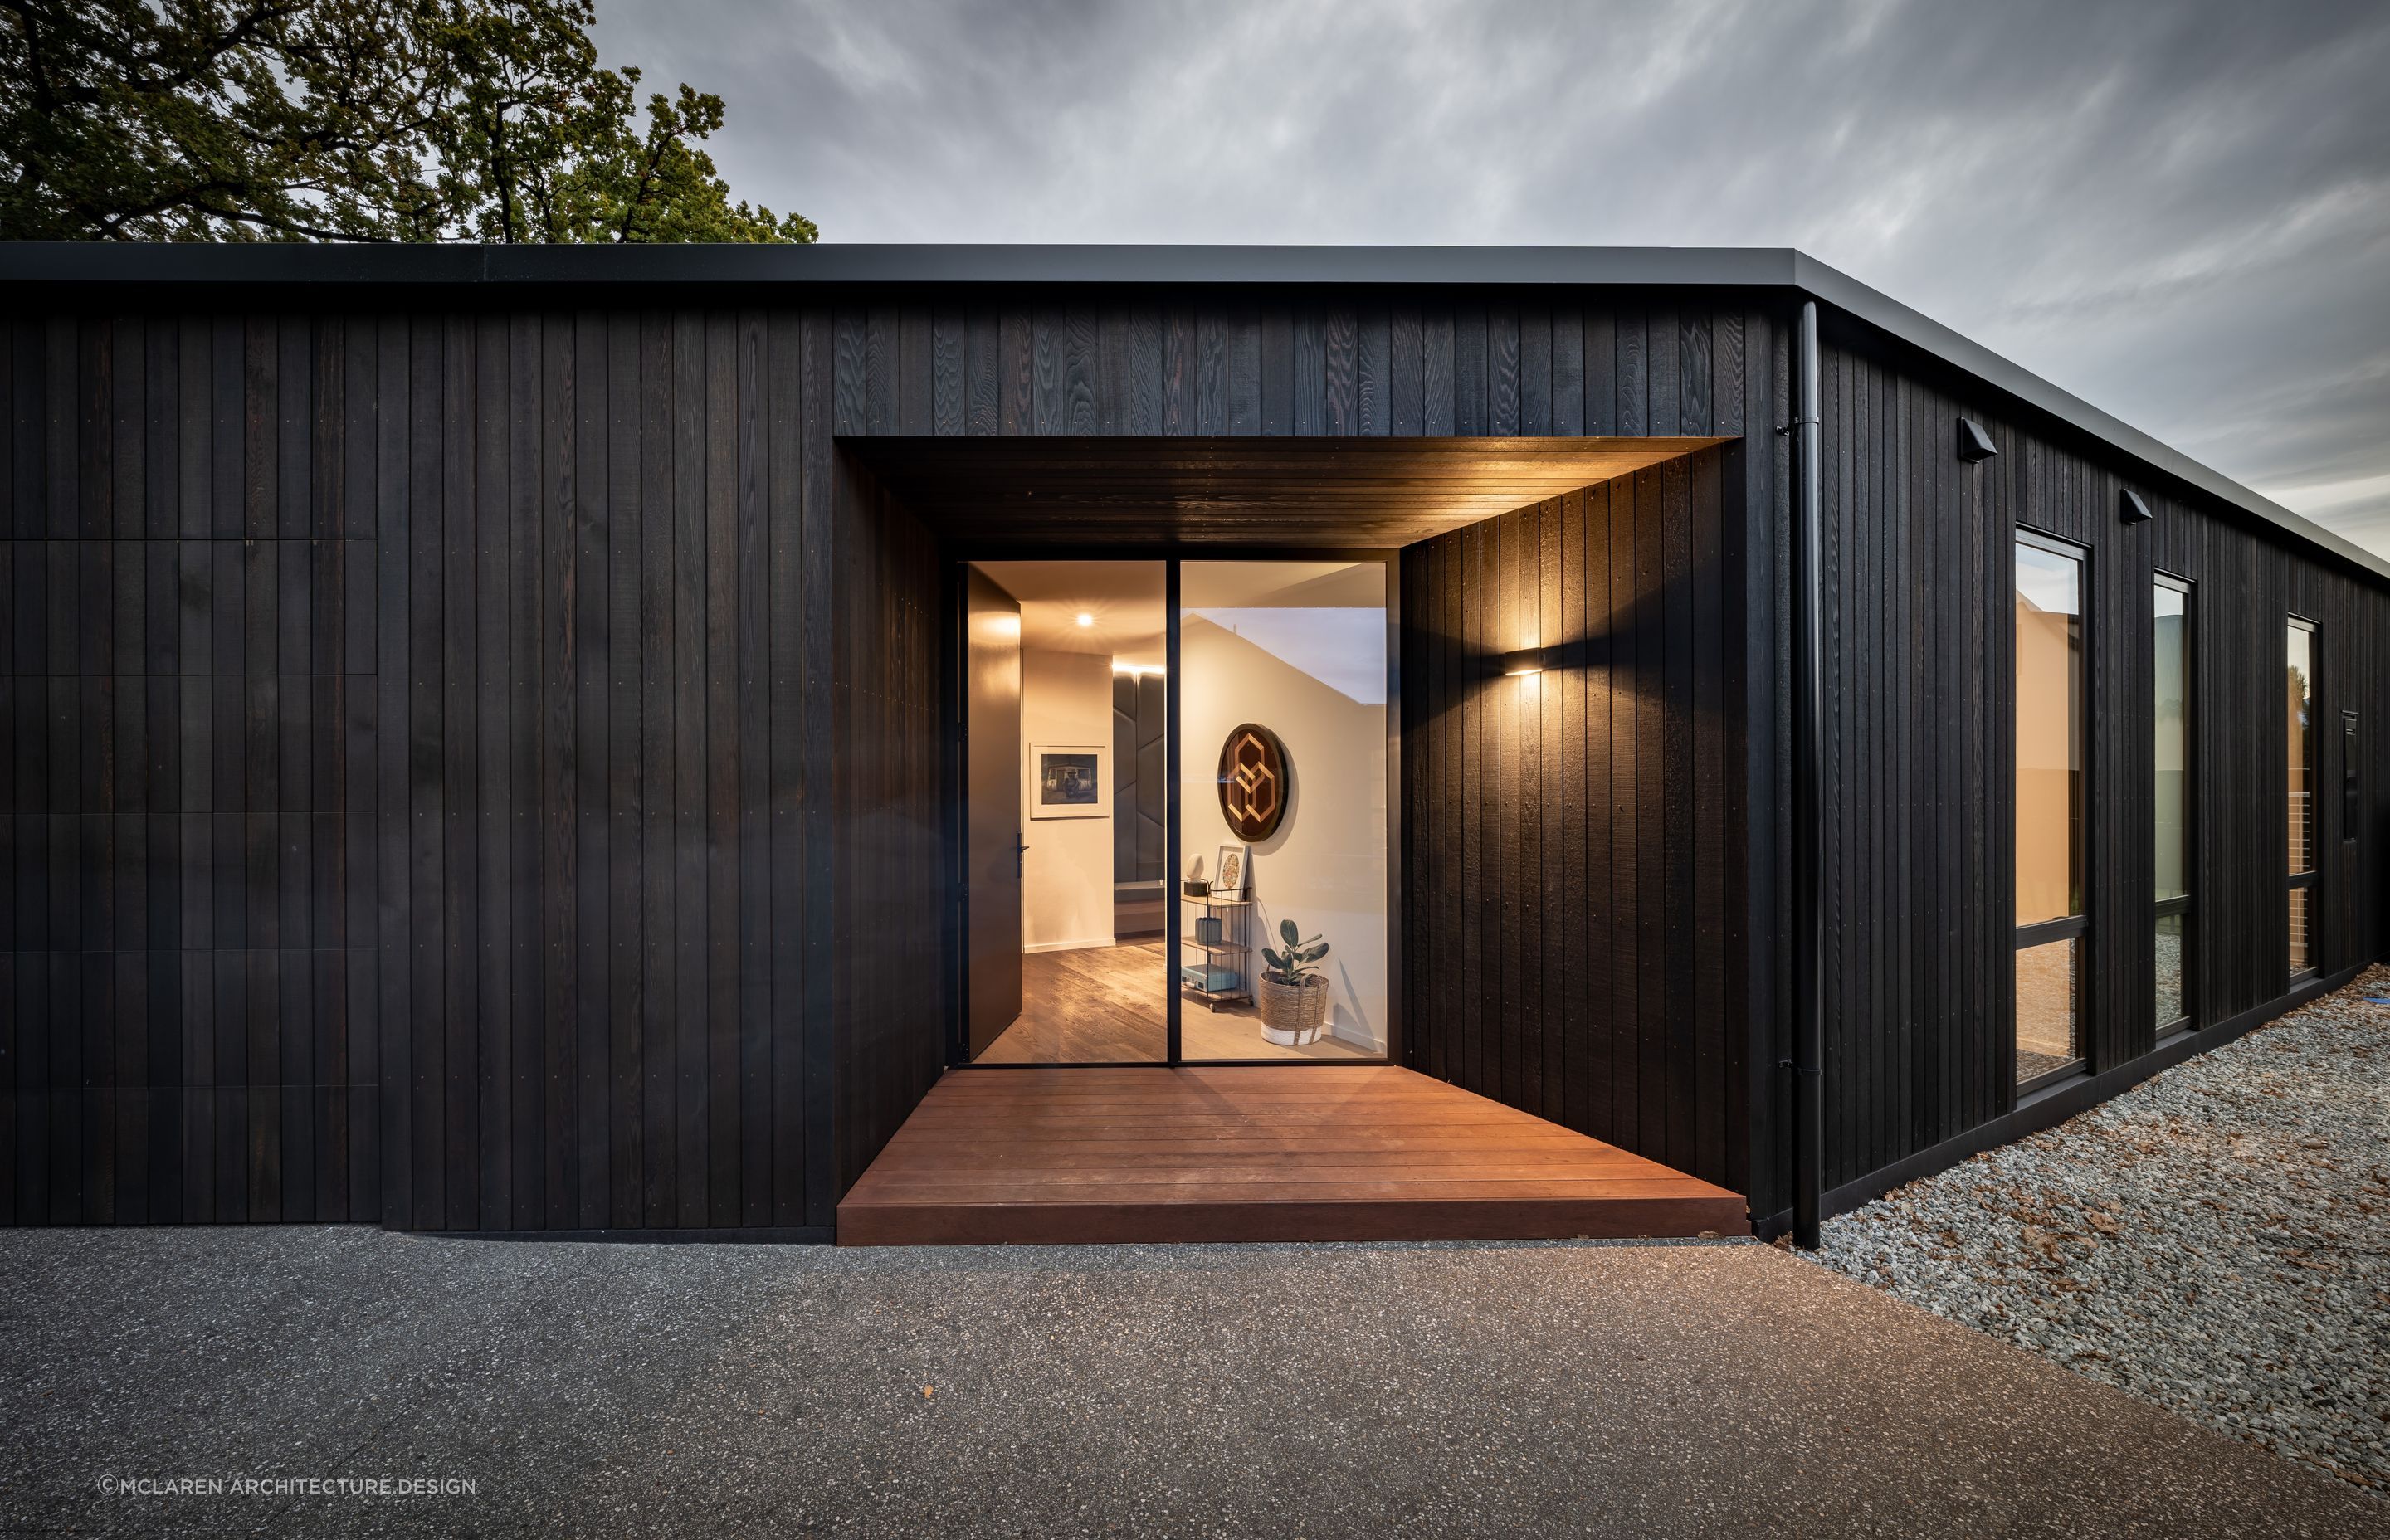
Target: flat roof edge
204	263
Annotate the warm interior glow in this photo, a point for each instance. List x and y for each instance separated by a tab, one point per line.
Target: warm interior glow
1086	620
2049	734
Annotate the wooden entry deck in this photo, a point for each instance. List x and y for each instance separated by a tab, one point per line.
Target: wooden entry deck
1303	1152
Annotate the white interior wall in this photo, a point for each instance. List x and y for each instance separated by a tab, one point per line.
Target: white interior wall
1325	868
1066	873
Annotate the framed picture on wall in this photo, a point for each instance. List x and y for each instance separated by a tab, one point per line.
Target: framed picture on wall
1228	875
1067	780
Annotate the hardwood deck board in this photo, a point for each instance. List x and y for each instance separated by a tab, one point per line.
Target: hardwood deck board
1135	1164
1331	1152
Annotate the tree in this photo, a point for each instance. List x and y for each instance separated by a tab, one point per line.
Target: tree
347	120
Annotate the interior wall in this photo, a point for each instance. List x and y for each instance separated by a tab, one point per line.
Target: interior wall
1325	867
1140	709
1066	873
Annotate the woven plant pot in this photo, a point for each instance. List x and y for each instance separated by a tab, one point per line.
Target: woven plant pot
1290	1016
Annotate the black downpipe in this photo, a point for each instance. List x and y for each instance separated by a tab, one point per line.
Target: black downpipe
1808	794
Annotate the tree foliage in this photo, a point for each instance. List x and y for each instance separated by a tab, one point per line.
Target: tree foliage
347	120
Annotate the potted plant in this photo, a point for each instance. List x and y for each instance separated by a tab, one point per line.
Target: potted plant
1293	992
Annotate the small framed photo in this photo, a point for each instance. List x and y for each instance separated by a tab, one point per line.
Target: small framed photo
1228	872
1067	780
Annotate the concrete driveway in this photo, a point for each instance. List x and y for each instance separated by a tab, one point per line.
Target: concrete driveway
1324	1391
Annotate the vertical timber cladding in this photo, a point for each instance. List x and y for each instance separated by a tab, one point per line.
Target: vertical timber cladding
436	711
1588	929
625	792
191	939
1918	847
623	670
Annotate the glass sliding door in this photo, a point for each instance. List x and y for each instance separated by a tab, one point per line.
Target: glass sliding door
1283	683
2170	798
2300	777
2048	806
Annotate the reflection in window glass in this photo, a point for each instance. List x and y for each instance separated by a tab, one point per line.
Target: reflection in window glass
2172	758
2048	805
2170	798
2049	734
2045	1008
2169	970
2299	696
2299	687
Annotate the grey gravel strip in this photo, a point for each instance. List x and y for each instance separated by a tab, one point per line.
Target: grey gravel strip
2212	1241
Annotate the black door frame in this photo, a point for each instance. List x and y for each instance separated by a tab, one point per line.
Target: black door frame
958	556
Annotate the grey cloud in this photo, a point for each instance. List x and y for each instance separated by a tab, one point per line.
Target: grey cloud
2180	211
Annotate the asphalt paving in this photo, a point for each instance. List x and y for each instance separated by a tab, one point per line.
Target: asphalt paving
345	1380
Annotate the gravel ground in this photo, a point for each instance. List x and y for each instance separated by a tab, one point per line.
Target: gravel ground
2212	1241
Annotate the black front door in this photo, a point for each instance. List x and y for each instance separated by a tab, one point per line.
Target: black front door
992	815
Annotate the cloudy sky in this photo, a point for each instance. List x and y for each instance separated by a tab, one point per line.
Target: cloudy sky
2179	212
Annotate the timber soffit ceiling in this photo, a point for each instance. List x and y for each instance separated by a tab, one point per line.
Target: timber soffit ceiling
1126	493
265	265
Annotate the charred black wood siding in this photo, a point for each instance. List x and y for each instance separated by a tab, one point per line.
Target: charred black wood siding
1920	875
476	765
439	707
1575	940
189	946
610	720
1591	929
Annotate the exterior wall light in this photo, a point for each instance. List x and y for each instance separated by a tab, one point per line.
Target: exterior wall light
1973	442
2130	509
1526	661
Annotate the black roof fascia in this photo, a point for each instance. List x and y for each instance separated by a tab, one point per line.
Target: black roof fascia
265	263
295	262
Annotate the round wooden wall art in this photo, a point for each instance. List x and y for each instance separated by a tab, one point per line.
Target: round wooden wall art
1253	782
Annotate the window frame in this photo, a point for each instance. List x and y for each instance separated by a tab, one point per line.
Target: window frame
2296	882
2182	905
2076	928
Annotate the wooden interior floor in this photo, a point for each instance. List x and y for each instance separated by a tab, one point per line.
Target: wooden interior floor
1252	1152
1103	1005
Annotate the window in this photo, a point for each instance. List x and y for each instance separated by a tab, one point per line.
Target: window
1296	652
2299	702
2049	807
2170	798
2351	802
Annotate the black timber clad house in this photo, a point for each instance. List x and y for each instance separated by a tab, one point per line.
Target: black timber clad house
471	751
